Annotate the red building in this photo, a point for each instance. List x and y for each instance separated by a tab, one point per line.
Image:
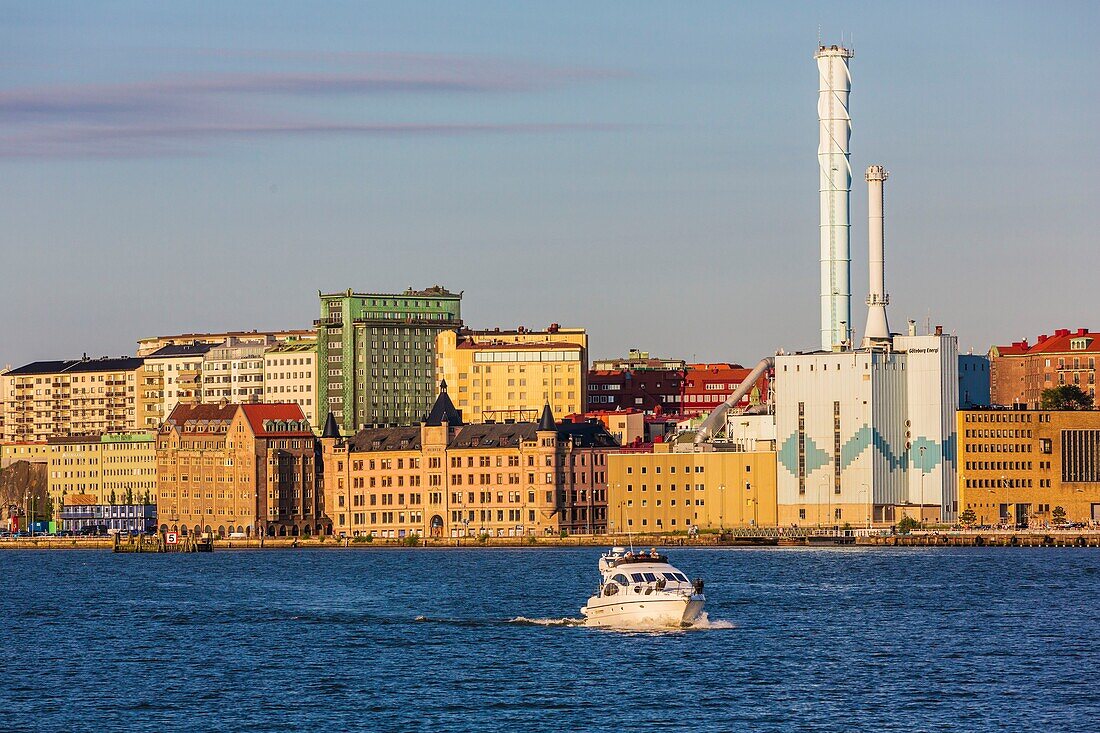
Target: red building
649	390
1021	371
708	385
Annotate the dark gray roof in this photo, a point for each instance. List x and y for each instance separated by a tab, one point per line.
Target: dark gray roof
181	350
71	366
587	434
443	411
547	420
332	430
494	435
385	439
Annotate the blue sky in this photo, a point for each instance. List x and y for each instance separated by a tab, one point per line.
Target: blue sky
645	170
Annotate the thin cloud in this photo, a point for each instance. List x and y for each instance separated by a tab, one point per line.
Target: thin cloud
136	142
154	117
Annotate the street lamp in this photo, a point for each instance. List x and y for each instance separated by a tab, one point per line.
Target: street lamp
721	506
870	505
824	489
755	503
923	448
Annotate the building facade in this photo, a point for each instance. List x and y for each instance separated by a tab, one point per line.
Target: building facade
111	469
234	371
974	386
509	375
247	469
659	490
172	374
31	452
1017	466
149	345
290	375
868	428
1021	371
376	354
708	385
80	515
636	360
653	391
76	397
444	478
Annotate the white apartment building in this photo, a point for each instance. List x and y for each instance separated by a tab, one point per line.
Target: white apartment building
234	372
290	375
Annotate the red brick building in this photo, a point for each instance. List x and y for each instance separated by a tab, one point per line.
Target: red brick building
1021	371
708	385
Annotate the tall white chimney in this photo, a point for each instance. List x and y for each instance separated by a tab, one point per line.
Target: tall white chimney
878	330
835	177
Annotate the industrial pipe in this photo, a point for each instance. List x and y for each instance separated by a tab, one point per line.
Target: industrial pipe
714	418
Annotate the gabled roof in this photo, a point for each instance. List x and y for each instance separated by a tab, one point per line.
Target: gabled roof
443	411
260	415
203	419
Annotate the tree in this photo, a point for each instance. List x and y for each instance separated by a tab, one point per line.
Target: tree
1066	397
1058	515
968	517
907	525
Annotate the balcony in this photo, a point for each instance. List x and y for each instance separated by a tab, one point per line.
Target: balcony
329	321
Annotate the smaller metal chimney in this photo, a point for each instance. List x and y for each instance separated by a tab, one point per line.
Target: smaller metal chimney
878	330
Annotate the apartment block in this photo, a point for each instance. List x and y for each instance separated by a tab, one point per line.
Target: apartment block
75	397
509	375
234	371
376	354
290	375
108	469
172	374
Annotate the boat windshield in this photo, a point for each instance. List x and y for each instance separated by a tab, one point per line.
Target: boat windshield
676	576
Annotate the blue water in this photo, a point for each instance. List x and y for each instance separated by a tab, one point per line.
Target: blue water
332	640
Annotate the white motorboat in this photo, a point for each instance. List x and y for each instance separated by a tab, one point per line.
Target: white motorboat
643	589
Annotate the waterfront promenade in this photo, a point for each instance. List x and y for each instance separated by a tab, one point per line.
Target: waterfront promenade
1078	538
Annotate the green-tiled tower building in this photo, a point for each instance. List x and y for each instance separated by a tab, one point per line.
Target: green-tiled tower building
376	354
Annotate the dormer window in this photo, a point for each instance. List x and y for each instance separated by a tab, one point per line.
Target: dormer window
1079	344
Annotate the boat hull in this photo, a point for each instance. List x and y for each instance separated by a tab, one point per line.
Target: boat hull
645	612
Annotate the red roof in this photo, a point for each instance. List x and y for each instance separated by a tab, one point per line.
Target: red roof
259	413
1057	343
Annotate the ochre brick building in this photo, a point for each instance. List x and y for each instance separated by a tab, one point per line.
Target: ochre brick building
444	478
249	469
1016	466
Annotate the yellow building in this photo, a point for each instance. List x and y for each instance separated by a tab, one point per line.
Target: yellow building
76	397
1017	466
500	375
115	468
663	491
32	452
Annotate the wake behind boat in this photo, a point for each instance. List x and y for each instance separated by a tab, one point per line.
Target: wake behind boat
643	589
